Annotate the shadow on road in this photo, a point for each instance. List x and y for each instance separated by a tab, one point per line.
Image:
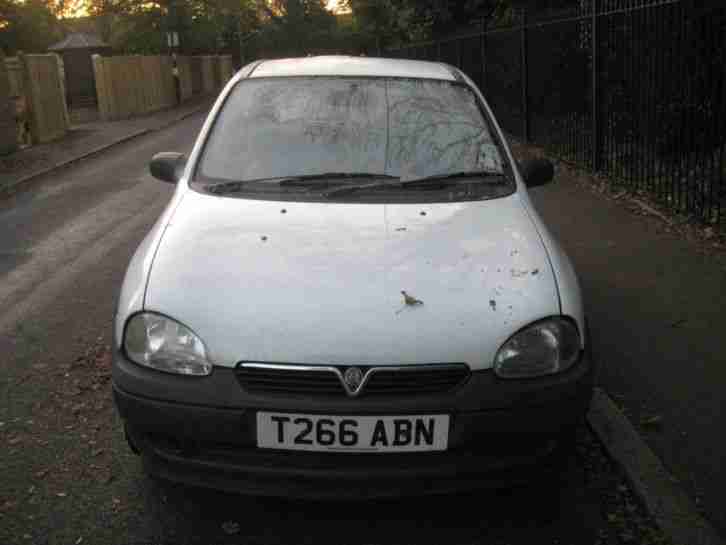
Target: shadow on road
546	511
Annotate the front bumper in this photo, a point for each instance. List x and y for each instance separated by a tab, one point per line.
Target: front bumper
202	431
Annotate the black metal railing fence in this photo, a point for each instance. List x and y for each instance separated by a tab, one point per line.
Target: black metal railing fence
635	89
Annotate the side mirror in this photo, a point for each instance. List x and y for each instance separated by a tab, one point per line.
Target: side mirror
167	166
537	172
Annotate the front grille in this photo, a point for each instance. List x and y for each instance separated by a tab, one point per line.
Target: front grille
327	381
405	380
282	380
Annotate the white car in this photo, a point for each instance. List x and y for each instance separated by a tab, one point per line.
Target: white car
350	293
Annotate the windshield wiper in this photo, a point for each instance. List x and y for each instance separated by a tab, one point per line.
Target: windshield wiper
423	181
310	179
289	181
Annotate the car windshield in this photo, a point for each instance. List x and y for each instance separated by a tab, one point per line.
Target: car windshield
321	131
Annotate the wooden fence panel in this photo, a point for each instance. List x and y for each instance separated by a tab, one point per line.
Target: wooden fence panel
137	85
226	69
168	89
8	131
44	97
185	77
15	77
195	64
208	85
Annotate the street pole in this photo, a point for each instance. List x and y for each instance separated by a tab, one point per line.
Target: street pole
525	79
239	38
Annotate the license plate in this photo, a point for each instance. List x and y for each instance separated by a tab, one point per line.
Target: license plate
409	433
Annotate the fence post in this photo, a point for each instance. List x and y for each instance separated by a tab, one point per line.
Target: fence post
483	55
525	83
595	36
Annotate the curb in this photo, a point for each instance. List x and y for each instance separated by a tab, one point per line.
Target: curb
658	491
10	188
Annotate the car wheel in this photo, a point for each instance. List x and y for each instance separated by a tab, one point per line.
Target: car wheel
130	441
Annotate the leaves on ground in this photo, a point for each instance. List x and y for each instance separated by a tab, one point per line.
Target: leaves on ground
231	527
655	422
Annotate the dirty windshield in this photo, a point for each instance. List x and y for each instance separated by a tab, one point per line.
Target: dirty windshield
306	135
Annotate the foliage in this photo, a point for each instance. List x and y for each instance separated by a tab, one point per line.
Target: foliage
141	26
296	27
29	26
400	21
279	27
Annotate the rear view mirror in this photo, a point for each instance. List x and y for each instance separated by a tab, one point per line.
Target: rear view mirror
167	166
536	172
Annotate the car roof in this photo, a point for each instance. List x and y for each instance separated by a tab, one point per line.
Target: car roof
339	65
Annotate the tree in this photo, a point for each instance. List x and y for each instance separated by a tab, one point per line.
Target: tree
28	26
394	22
400	21
297	27
204	26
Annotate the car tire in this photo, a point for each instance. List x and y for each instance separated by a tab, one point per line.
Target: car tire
564	455
130	441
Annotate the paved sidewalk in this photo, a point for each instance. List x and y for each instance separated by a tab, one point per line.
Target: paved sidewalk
656	301
83	139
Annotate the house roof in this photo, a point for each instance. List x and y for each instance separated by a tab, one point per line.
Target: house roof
78	40
352	66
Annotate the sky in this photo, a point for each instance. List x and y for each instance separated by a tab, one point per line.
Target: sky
333	4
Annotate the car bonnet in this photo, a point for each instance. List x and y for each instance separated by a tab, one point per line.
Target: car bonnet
322	283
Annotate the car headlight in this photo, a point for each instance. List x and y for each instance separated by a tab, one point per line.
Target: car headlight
544	348
166	345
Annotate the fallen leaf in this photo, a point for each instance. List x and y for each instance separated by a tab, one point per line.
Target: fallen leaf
652	421
230	527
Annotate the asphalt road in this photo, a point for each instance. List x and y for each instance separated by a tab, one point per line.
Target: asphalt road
67	475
